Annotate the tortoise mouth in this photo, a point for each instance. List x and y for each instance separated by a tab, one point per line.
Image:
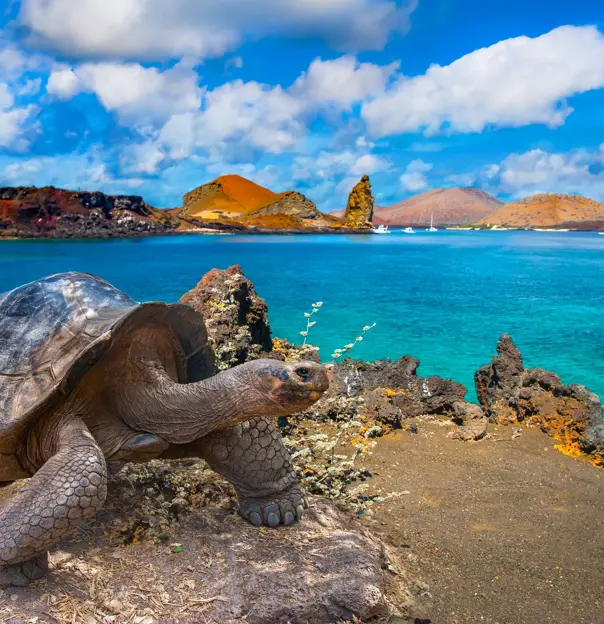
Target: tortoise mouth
297	397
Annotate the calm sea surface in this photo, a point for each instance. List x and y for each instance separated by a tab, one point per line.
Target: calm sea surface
443	297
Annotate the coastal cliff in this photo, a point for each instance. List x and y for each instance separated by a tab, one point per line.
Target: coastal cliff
49	212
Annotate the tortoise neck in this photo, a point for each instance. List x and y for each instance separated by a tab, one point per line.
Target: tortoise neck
190	411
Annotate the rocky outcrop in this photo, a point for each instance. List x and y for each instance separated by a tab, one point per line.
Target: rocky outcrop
359	210
387	394
170	547
571	414
413	395
57	213
473	423
236	317
293	204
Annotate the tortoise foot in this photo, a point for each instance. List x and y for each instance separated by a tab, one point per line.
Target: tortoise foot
281	508
21	574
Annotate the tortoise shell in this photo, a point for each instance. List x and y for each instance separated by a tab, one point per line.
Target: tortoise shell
52	331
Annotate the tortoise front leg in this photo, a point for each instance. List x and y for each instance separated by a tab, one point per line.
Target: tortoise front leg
71	486
251	455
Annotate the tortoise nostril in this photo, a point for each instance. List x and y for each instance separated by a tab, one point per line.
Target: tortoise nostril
304	373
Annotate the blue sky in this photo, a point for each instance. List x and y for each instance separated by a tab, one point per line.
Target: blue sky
154	98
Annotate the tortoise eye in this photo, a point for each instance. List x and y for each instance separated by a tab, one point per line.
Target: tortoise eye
303	372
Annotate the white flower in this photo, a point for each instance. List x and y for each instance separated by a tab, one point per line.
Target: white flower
307	314
366	328
304	333
348	346
335	356
359	339
318	304
312	323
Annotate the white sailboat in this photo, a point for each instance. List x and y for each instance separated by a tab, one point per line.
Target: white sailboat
431	228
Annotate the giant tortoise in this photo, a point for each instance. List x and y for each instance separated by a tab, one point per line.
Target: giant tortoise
89	376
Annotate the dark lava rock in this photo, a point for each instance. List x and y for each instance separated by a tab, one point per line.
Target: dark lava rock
377	406
413	395
571	414
500	379
236	317
49	212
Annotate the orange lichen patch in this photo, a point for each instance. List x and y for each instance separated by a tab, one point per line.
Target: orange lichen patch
505	415
568	432
573	450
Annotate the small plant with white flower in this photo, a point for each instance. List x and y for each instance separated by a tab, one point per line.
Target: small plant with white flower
309	322
339	353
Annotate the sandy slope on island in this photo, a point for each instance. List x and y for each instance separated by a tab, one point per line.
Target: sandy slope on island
230	195
452	206
547	210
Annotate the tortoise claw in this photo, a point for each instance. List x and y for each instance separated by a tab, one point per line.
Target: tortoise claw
282	508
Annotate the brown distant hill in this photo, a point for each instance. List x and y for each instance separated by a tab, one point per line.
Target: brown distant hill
452	206
234	200
549	210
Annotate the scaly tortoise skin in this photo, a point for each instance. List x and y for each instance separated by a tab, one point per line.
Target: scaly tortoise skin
89	376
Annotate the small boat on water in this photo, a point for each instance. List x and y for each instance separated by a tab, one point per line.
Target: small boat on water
381	229
409	230
601	233
431	228
550	230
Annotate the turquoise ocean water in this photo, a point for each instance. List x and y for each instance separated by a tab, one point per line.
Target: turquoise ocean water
443	297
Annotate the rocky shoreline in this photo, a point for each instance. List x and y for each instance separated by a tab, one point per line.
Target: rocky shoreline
391	395
169	546
51	213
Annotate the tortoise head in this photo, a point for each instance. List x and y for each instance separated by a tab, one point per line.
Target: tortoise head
289	387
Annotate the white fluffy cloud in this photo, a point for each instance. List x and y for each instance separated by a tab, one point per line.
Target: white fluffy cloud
414	178
74	171
331	165
515	82
578	171
537	171
131	90
369	163
156	29
13	120
342	82
254	114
